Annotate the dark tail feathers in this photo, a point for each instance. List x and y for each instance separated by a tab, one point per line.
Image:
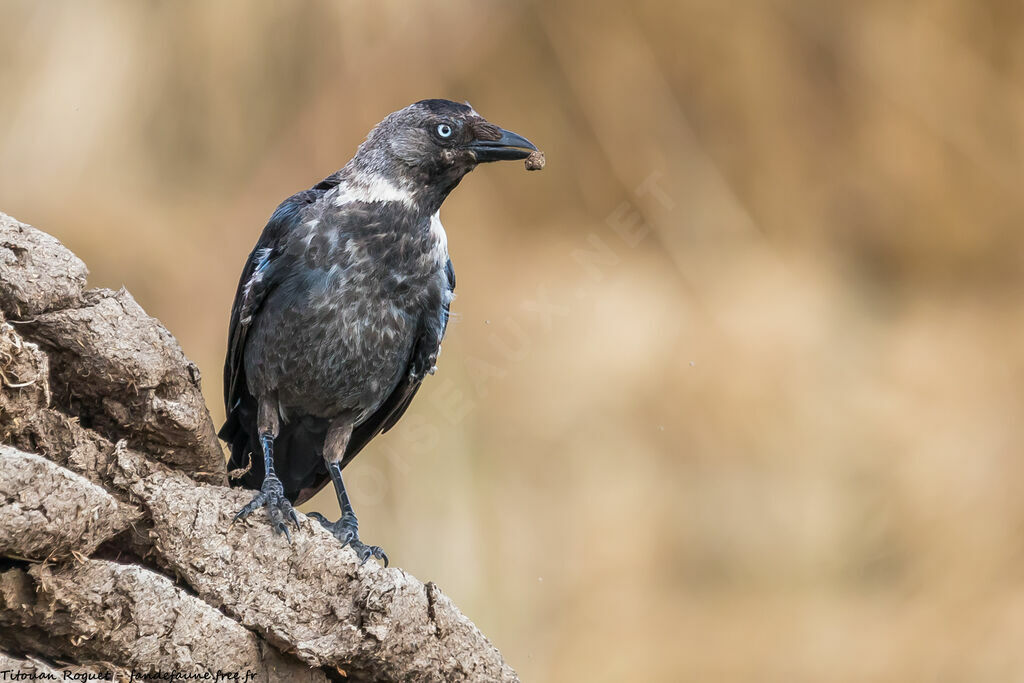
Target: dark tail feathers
298	452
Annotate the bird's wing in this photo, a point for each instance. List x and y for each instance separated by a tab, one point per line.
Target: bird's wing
421	361
260	276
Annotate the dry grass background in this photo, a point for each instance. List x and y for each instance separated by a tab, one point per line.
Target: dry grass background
770	432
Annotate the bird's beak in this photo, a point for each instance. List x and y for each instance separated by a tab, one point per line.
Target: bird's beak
508	147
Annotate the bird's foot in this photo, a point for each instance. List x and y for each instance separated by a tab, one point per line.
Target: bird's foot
346	530
280	510
365	552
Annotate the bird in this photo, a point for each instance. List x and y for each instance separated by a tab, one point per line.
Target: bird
341	308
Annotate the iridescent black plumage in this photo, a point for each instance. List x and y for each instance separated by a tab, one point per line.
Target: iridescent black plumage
342	306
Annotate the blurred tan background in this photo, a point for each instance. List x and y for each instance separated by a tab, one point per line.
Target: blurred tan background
734	390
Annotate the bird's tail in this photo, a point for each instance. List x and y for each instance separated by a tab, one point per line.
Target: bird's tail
298	453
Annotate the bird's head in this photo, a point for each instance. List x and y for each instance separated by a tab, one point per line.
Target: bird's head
429	146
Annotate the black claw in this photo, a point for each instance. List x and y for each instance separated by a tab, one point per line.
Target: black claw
256	502
365	552
271	496
346	532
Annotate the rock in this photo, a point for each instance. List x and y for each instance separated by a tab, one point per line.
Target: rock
37	272
48	512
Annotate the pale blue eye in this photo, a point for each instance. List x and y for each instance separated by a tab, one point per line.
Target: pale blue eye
444	130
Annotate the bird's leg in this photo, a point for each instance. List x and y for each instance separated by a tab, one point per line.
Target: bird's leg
271	495
346	529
